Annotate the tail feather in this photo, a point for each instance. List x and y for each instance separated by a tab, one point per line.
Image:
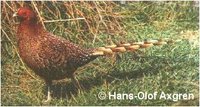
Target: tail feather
111	49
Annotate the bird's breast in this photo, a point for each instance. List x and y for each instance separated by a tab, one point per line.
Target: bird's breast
29	53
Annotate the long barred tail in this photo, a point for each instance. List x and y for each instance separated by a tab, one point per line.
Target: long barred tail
108	50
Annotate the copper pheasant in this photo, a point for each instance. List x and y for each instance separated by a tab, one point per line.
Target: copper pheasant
54	58
50	57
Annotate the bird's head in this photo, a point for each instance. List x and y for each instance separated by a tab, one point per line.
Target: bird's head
25	14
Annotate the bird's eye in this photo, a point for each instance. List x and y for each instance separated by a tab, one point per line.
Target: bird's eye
23	14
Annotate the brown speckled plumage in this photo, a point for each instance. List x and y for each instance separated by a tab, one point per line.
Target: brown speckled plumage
50	56
54	58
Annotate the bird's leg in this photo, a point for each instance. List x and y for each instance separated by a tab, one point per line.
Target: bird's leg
76	83
49	85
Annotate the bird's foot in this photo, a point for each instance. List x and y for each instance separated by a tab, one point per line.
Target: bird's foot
47	101
48	96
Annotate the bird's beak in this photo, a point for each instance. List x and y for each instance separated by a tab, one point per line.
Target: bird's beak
15	14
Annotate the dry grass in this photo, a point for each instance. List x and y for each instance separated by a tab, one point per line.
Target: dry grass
98	23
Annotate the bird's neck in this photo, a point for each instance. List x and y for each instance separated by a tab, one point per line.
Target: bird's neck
29	29
28	35
28	21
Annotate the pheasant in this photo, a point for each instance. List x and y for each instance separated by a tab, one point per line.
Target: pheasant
54	58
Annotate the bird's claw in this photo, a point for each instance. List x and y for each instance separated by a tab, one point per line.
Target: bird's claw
47	101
